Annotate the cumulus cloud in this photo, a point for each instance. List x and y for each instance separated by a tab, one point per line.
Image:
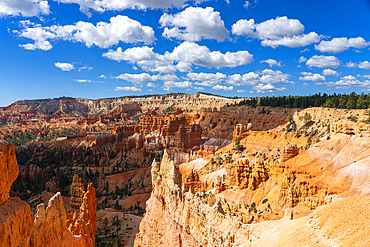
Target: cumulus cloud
323	62
113	5
26	8
351	65
337	45
168	85
64	66
293	42
266	76
182	58
347	82
138	79
364	65
194	24
128	88
149	84
302	59
104	35
329	72
272	62
250	78
267	88
308	76
274	77
221	87
206	79
276	32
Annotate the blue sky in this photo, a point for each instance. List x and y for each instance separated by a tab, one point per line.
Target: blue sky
97	49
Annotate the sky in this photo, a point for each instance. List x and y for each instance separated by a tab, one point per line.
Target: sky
109	48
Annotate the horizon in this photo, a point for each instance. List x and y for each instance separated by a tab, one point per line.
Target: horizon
234	48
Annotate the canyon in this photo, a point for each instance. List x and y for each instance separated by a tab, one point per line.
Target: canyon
182	170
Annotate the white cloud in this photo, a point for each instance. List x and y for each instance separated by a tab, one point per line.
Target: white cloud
143	57
128	88
364	65
351	65
261	88
274	77
220	87
308	76
243	27
241	91
207	79
194	24
138	79
64	66
149	84
305	50
306	85
168	85
266	76
189	52
302	59
247	4
278	28
348	81
337	45
185	55
103	35
103	76
364	76
87	81
330	72
323	62
82	80
114	5
276	32
293	42
199	88
85	67
26	8
272	62
250	78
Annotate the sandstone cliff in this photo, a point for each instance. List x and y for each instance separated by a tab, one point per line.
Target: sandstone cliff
52	226
175	219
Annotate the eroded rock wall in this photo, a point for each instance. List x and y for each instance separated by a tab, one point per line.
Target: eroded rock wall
51	226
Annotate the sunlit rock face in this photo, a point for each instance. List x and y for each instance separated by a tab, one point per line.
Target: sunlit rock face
52	226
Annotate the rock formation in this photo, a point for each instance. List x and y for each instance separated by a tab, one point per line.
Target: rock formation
8	170
240	132
289	152
193	183
77	192
52	226
245	176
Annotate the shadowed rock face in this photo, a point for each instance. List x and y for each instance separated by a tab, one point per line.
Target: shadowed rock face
77	192
52	225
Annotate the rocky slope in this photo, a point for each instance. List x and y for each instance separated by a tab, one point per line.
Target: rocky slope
177	219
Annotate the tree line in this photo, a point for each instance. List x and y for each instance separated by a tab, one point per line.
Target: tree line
343	101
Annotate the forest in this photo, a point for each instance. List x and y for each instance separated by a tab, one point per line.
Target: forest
343	101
